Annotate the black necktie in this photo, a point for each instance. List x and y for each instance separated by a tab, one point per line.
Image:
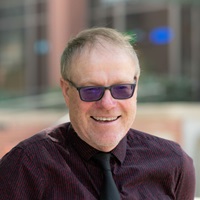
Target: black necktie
109	190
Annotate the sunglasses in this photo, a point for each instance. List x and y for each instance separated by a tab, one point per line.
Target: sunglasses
95	93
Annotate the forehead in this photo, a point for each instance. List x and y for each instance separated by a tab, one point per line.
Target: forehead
103	63
104	49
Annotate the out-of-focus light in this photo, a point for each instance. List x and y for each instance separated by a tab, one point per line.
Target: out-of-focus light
41	47
161	35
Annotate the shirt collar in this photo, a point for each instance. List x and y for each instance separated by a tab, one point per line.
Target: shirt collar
120	150
86	151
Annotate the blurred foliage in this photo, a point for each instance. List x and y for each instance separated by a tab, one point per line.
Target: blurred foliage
49	99
160	88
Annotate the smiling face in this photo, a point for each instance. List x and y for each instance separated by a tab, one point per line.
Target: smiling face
101	124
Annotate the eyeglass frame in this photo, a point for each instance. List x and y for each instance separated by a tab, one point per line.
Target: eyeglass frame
104	87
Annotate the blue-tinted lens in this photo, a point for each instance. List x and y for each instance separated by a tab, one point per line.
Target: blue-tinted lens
124	91
91	93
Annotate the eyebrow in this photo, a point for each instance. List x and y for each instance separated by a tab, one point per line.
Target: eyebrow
118	82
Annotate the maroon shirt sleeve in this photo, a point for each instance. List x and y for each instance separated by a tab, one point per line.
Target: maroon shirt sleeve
20	178
185	188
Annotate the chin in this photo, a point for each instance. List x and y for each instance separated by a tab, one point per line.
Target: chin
107	140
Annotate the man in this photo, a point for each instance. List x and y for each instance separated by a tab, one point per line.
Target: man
100	72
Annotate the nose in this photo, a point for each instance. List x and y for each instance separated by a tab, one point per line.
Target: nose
107	101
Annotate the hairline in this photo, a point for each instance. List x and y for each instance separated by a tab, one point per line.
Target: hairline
121	41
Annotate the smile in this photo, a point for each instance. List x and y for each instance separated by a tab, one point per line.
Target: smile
105	119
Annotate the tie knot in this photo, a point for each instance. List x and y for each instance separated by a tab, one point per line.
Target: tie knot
103	159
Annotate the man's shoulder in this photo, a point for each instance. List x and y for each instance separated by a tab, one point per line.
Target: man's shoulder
153	142
46	139
50	134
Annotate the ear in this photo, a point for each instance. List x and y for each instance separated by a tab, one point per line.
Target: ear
136	79
65	89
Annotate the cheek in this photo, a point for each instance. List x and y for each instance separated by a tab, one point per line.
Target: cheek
72	98
131	108
78	108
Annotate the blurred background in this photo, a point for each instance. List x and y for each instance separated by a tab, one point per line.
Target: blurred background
166	35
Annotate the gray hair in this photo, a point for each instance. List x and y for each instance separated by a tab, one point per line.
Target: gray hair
89	38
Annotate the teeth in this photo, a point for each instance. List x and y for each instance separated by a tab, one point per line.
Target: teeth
105	118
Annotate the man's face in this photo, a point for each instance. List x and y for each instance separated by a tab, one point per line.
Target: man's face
101	124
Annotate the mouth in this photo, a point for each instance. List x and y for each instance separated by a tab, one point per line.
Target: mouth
105	119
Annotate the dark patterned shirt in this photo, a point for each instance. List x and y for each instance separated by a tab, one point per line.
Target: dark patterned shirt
56	164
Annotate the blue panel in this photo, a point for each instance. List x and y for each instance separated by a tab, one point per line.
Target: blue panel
161	35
